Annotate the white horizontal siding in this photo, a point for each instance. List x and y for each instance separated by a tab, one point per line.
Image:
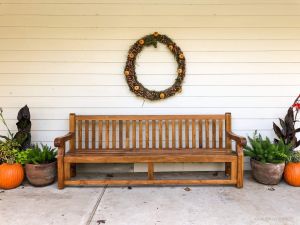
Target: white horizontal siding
68	56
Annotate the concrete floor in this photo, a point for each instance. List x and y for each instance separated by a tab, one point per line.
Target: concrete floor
255	204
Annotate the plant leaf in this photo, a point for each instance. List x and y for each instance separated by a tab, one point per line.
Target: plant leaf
297	144
277	131
4	137
283	126
289	120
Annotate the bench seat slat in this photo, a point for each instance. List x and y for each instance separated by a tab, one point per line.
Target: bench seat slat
147	182
152	152
148	158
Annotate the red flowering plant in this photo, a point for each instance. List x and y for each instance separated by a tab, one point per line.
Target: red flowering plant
288	132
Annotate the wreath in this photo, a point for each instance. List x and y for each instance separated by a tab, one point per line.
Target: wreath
135	86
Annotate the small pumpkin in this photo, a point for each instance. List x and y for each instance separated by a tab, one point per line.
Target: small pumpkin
11	175
292	173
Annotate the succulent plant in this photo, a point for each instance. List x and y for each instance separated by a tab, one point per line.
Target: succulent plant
295	157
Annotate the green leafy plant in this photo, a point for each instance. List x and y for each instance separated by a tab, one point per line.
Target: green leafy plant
40	155
8	151
21	156
265	151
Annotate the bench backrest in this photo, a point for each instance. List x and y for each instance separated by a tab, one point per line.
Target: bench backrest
142	132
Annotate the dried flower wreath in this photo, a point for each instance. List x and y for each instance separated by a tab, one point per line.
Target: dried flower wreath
135	86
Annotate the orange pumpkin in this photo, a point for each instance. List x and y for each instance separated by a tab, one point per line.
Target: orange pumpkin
292	174
11	175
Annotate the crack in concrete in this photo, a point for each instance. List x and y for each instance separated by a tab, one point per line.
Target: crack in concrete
96	206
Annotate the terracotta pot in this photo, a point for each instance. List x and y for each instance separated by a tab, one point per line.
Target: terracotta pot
41	174
267	173
292	174
11	175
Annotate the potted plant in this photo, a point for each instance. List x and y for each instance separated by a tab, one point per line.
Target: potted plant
11	171
292	170
40	165
288	133
267	159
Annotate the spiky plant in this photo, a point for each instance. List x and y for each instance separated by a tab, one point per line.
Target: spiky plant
265	151
41	155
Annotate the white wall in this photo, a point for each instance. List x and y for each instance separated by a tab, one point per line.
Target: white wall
242	56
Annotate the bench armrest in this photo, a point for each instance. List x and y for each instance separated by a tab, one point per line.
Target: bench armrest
60	141
238	139
240	142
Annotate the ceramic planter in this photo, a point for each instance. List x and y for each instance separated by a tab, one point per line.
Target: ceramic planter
292	174
267	173
41	174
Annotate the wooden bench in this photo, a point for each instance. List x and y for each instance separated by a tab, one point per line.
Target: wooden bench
150	139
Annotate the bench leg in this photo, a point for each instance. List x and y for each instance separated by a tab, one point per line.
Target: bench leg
233	170
150	171
227	168
240	172
60	172
67	171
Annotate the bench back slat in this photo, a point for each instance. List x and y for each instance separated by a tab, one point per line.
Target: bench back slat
93	134
107	122
80	134
100	126
72	128
120	134
129	132
153	134
228	128
86	134
187	133
167	133
173	134
180	133
114	134
134	134
214	131
193	134
206	133
221	134
160	134
147	134
140	134
200	132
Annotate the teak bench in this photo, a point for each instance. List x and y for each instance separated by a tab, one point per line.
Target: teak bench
150	139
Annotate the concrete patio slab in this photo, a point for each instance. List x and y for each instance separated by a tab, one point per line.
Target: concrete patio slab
255	204
27	205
